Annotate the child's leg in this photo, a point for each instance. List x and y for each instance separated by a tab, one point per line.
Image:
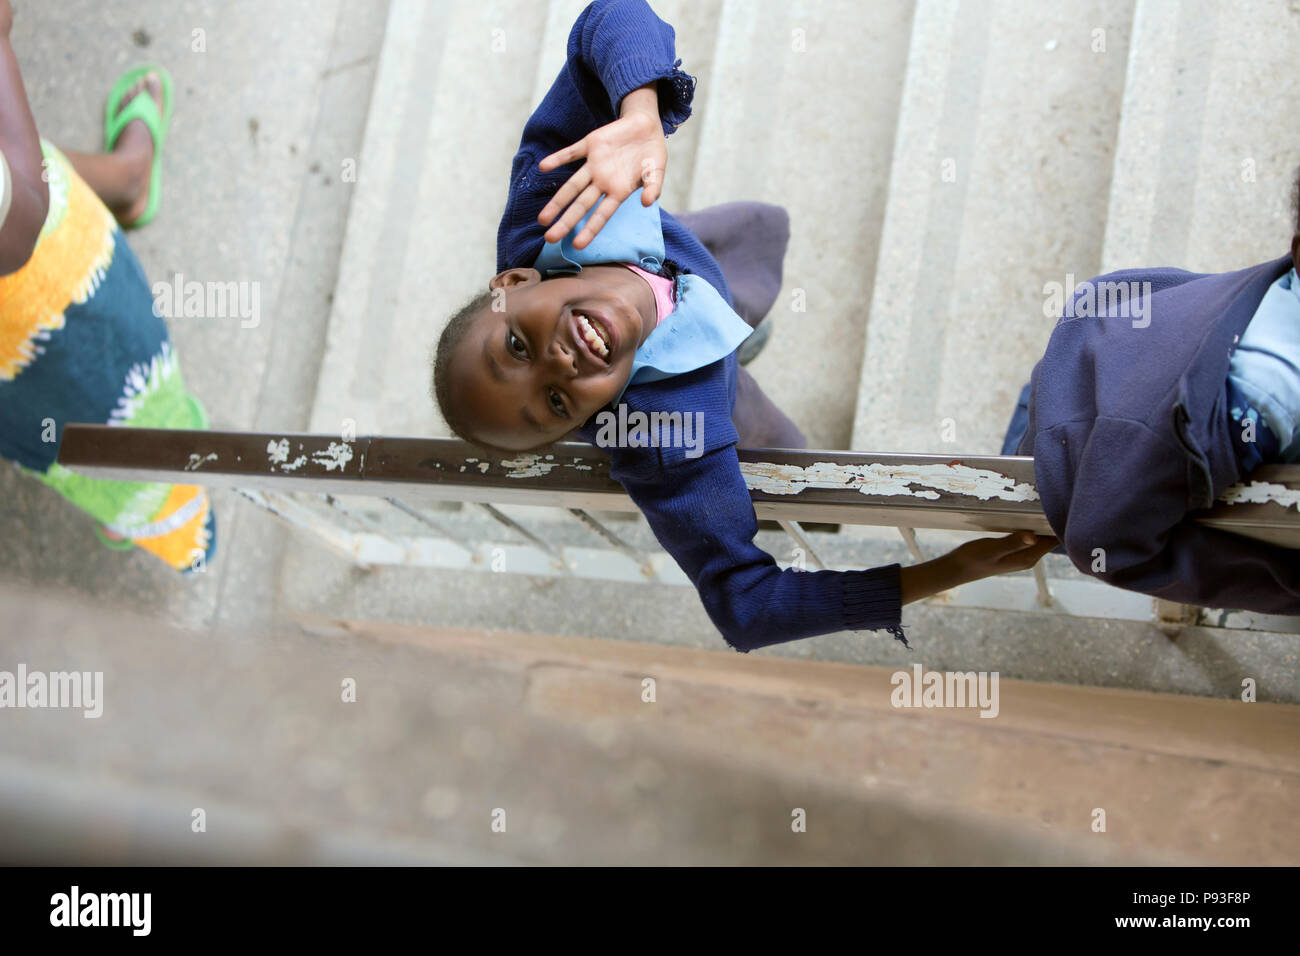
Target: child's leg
1019	423
121	178
748	239
760	423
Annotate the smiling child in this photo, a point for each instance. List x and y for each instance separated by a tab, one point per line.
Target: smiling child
618	303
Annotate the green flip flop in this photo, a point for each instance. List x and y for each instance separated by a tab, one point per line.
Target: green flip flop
142	108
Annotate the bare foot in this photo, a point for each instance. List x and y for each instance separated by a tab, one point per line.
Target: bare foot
135	147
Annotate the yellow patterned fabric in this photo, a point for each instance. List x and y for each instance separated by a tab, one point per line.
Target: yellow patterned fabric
80	342
70	260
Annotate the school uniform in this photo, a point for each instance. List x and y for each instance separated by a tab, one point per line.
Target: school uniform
1136	417
694	499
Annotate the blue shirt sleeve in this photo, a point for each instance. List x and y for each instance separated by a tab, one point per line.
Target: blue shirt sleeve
615	47
701	512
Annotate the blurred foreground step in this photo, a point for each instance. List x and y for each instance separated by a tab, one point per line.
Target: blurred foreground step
605	752
1037	757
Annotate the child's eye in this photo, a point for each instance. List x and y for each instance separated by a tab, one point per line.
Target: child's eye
557	403
515	345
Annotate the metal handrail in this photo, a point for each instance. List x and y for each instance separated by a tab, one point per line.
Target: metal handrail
969	493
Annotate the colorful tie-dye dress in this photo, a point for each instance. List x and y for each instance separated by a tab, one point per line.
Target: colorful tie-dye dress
79	342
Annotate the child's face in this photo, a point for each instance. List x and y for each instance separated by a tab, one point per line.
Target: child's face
528	375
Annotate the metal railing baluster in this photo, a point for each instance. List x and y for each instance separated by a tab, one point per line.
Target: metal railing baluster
796	533
515	526
428	522
1044	592
361	519
590	522
909	535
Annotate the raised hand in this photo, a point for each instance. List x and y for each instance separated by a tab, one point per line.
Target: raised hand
622	156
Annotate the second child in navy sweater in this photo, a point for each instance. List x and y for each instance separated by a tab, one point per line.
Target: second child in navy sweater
619	304
1160	393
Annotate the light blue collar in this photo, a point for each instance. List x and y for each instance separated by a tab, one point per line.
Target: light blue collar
701	329
1265	365
633	234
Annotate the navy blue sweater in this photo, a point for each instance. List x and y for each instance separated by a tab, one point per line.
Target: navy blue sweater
699	508
1129	430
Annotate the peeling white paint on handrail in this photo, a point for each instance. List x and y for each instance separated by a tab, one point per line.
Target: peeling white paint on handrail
197	461
337	456
529	466
1262	492
882	480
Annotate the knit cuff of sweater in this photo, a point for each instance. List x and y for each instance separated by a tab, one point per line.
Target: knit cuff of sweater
873	600
676	88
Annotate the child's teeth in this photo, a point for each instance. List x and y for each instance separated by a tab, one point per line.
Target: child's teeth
591	336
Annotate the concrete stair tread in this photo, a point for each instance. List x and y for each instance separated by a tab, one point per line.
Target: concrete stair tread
1203	169
776	132
451	95
1001	163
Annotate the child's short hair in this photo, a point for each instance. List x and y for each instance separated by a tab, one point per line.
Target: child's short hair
1295	199
459	323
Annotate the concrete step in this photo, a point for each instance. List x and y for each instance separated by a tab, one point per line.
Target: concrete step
802	112
1000	177
452	92
1206	161
696	24
552	45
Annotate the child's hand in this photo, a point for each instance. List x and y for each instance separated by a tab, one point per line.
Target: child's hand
981	558
985	557
628	153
